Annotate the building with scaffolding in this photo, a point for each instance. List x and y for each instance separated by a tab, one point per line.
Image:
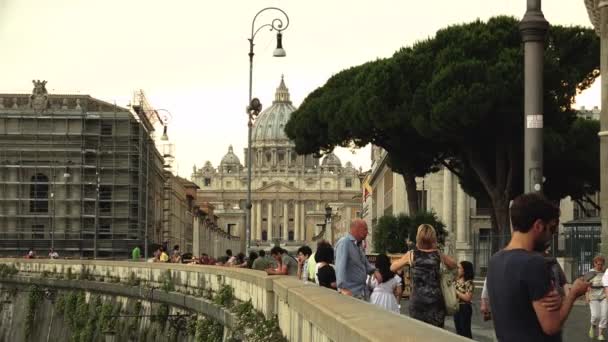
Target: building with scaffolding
77	174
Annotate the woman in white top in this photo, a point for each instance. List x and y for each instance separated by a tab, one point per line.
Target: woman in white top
387	286
596	297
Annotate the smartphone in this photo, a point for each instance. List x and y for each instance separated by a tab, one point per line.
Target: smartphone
588	276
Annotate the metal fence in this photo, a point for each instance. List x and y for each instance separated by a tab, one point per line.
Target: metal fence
575	246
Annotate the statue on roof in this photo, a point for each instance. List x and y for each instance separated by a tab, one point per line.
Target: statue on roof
39	99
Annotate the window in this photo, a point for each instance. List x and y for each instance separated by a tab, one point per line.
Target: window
105	198
291	184
228	184
207	181
106	128
264	183
230	228
348	182
37	231
327	185
39	194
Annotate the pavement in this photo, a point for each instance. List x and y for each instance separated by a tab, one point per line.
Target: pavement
576	329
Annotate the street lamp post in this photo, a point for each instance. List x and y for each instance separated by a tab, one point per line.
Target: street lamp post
254	106
328	230
533	28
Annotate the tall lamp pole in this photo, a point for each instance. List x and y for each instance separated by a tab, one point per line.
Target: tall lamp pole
254	106
533	28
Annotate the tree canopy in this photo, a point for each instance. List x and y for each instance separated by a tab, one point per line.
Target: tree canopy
456	100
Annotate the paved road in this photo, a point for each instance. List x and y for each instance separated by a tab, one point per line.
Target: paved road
576	328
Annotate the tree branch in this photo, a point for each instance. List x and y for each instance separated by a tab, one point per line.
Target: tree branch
588	199
582	207
451	168
484	178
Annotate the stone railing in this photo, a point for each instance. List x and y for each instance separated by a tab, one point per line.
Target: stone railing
305	312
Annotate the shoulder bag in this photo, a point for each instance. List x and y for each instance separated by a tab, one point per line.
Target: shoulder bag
448	288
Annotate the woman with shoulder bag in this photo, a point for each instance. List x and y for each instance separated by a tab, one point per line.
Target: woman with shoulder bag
426	301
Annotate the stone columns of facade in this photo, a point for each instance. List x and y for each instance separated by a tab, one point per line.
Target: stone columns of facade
285	221
463	244
270	219
448	201
258	223
603	8
296	221
302	222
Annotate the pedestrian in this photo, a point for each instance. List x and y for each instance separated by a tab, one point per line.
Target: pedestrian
176	256
252	256
30	254
239	261
386	285
287	265
464	292
484	306
312	263
352	266
262	262
164	257
426	300
596	297
227	259
136	253
526	305
325	274
53	254
303	255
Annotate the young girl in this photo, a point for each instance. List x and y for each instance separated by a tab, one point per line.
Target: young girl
387	287
464	292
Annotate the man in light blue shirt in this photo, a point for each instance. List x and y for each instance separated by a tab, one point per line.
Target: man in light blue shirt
352	266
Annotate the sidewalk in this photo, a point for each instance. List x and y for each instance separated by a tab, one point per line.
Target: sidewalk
575	330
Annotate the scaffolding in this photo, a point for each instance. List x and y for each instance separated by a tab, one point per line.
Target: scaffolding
82	177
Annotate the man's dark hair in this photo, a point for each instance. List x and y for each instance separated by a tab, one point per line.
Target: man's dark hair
262	253
325	253
229	252
528	208
276	250
305	250
469	272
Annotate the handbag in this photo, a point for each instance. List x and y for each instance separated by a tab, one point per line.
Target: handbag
448	288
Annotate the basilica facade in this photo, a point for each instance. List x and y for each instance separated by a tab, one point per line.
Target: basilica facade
291	193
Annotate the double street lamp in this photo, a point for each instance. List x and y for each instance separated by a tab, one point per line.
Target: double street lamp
255	107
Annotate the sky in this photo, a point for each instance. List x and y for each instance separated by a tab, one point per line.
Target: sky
190	56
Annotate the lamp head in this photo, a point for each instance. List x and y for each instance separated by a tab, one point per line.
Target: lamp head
328	212
279	51
164	137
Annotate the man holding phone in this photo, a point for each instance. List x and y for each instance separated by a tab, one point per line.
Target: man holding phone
520	279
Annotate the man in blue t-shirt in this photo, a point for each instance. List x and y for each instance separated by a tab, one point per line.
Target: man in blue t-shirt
519	278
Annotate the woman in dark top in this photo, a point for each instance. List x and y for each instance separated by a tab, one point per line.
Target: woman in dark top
326	275
426	301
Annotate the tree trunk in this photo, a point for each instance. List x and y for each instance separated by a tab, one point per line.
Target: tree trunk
412	194
500	208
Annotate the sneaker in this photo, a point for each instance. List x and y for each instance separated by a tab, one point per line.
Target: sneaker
591	335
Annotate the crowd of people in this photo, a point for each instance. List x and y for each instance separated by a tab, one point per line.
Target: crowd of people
524	293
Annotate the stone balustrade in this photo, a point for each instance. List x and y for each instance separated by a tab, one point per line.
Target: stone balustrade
305	312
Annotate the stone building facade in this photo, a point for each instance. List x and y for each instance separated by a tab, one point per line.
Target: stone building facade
77	174
438	192
289	191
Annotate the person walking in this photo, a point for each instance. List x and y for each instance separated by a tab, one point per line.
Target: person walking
464	292
136	254
386	285
519	278
352	266
596	297
426	300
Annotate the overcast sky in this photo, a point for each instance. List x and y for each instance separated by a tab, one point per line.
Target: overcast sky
190	57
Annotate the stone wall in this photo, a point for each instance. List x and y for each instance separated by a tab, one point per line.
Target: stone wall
305	312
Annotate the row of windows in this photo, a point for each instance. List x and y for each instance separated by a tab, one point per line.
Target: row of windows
348	183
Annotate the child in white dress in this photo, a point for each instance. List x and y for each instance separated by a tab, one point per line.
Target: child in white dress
387	286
